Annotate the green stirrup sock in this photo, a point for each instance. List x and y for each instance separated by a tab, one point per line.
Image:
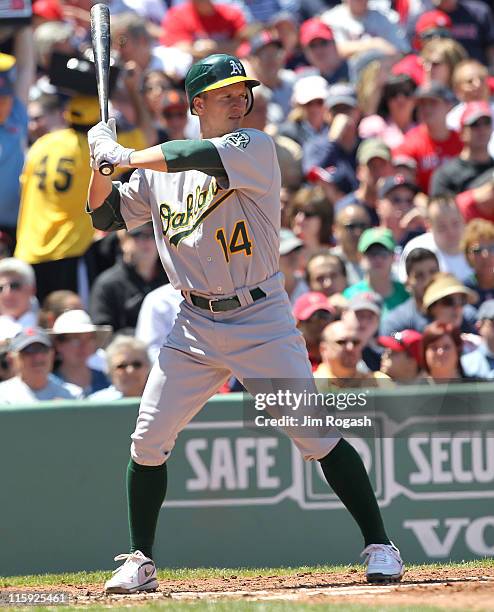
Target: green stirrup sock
346	475
146	489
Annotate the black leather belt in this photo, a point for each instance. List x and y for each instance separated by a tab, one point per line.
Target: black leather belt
226	304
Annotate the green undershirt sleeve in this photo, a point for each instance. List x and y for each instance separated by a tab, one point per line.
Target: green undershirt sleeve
108	217
202	155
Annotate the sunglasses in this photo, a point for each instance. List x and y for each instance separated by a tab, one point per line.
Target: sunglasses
356	226
136	365
35	349
13	286
482	250
453	301
483	122
319	42
406	92
76	340
436	33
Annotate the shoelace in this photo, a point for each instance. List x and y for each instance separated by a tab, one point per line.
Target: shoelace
380	552
128	558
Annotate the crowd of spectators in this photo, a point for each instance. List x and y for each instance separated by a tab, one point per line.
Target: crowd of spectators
382	117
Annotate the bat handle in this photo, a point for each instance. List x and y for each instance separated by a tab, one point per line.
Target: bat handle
106	169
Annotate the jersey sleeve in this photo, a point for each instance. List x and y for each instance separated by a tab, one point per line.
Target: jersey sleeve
249	158
135	206
183	155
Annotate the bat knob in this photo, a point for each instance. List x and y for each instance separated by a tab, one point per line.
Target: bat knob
106	169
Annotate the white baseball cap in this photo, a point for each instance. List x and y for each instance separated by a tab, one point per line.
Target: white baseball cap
310	88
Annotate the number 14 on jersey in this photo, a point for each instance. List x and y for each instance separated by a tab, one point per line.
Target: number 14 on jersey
239	241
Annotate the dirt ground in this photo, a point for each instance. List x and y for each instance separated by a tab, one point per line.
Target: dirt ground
447	588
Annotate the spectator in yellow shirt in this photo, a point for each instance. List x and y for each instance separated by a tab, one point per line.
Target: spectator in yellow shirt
341	352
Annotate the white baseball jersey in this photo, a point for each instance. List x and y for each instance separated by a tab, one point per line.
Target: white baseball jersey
214	238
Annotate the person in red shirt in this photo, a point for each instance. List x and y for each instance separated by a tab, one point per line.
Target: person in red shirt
478	201
431	143
200	27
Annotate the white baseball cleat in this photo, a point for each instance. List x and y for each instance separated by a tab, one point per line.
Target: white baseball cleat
383	562
138	573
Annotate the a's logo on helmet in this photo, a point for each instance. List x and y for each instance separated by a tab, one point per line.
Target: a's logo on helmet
236	67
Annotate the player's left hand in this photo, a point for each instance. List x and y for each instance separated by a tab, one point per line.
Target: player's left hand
106	150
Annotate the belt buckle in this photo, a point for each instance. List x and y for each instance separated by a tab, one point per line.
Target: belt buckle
211	302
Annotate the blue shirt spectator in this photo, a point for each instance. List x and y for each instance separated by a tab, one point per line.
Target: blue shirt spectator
13	141
480	363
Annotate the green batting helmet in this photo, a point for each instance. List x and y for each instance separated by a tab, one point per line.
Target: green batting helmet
215	71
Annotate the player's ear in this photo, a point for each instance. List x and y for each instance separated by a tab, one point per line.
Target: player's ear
198	104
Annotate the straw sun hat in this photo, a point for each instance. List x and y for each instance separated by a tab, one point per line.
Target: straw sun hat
79	322
443	285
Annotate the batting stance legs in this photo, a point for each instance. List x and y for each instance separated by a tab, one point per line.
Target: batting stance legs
199	355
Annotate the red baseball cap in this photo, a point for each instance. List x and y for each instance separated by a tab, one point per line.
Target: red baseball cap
433	20
474	111
309	303
407	340
48	9
411	66
314	28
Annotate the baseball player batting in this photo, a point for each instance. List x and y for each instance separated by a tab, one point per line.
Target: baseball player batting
215	207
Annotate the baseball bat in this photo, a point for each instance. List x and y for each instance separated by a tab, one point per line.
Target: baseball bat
100	37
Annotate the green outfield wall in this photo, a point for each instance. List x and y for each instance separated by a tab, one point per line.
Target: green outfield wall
239	496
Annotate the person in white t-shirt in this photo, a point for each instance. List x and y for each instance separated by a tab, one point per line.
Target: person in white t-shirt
156	317
358	29
445	228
